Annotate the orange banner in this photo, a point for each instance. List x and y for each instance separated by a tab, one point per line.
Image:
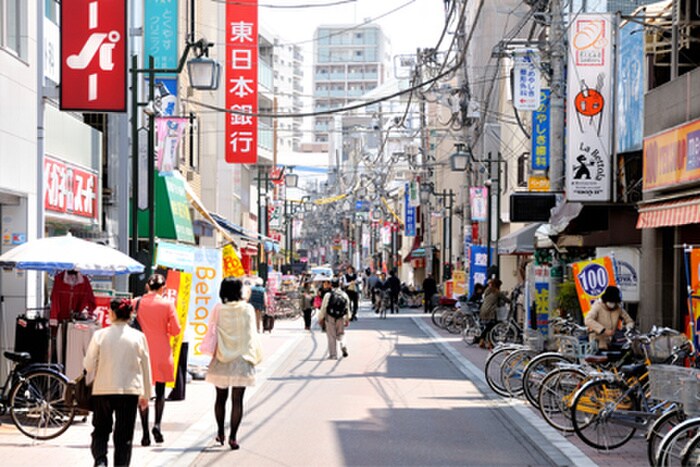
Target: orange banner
592	278
672	157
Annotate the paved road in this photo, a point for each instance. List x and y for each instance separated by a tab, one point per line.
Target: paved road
396	400
406	395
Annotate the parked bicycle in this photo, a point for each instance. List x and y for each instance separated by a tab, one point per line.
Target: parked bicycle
34	395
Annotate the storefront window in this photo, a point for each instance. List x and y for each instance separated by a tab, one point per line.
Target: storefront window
14	26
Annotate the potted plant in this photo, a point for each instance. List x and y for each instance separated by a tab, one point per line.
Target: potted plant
568	303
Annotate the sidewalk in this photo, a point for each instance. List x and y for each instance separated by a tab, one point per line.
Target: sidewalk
631	454
188	426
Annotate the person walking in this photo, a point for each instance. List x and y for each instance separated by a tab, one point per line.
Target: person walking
429	289
349	285
158	321
493	298
393	285
238	352
604	317
258	298
307	303
118	363
334	317
372	283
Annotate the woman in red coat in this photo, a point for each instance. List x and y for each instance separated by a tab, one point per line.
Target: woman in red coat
158	321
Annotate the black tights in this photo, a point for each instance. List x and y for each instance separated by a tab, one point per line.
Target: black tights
159	406
236	409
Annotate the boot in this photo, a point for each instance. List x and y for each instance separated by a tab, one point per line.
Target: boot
145	438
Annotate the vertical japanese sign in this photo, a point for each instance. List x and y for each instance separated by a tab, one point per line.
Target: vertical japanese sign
478	202
526	75
478	265
630	88
540	133
242	82
410	217
181	307
160	31
694	299
589	108
204	295
592	278
169	131
93	55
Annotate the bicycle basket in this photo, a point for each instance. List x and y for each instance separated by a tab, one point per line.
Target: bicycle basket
690	393
661	347
574	347
534	340
663	382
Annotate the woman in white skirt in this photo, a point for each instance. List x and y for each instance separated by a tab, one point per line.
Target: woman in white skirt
237	353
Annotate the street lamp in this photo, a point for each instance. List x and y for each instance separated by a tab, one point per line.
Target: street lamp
459	161
204	73
200	48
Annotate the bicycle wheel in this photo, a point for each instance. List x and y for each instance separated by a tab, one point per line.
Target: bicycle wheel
436	314
37	405
660	428
501	333
672	446
471	331
555	396
512	370
455	322
492	369
691	452
539	367
592	413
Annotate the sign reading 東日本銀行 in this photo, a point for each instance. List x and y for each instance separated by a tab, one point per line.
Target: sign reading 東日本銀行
242	82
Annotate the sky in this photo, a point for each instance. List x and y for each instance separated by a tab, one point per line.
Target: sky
413	24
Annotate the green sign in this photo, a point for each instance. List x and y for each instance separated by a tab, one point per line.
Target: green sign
172	209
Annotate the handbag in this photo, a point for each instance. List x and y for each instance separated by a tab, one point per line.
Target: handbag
78	392
208	345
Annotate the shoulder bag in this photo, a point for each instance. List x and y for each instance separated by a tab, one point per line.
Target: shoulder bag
134	323
79	393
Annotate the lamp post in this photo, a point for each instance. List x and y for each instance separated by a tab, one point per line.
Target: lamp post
264	179
425	191
204	74
446	230
291	208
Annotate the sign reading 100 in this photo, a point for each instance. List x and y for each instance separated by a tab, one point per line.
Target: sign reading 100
593	279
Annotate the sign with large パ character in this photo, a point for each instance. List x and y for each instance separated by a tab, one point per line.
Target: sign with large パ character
93	55
592	278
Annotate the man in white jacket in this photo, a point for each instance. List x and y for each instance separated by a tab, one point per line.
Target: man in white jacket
334	315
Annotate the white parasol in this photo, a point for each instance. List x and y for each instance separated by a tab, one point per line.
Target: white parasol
53	254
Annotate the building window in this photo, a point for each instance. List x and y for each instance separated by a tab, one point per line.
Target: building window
14	26
522	169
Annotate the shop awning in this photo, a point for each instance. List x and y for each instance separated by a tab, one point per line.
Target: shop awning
666	214
240	231
520	242
415	246
172	214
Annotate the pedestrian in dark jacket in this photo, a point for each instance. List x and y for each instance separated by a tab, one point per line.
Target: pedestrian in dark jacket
429	289
307	303
393	284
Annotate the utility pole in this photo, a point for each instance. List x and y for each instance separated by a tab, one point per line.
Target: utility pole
427	174
557	48
464	106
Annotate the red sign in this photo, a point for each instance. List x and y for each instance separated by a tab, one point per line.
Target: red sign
242	82
93	55
69	189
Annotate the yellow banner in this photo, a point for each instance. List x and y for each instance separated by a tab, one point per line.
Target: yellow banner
592	278
460	282
181	307
232	266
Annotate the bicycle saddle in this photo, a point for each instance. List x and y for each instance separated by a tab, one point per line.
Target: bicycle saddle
636	369
18	356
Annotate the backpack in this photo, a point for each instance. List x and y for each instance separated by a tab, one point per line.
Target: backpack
337	307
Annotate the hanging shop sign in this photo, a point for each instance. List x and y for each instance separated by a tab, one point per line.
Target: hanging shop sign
414	194
478	202
541	296
276	214
592	277
93	55
160	32
526	75
242	82
540	133
410	214
460	282
672	157
629	111
174	255
692	263
169	133
204	295
70	191
627	265
232	266
589	105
